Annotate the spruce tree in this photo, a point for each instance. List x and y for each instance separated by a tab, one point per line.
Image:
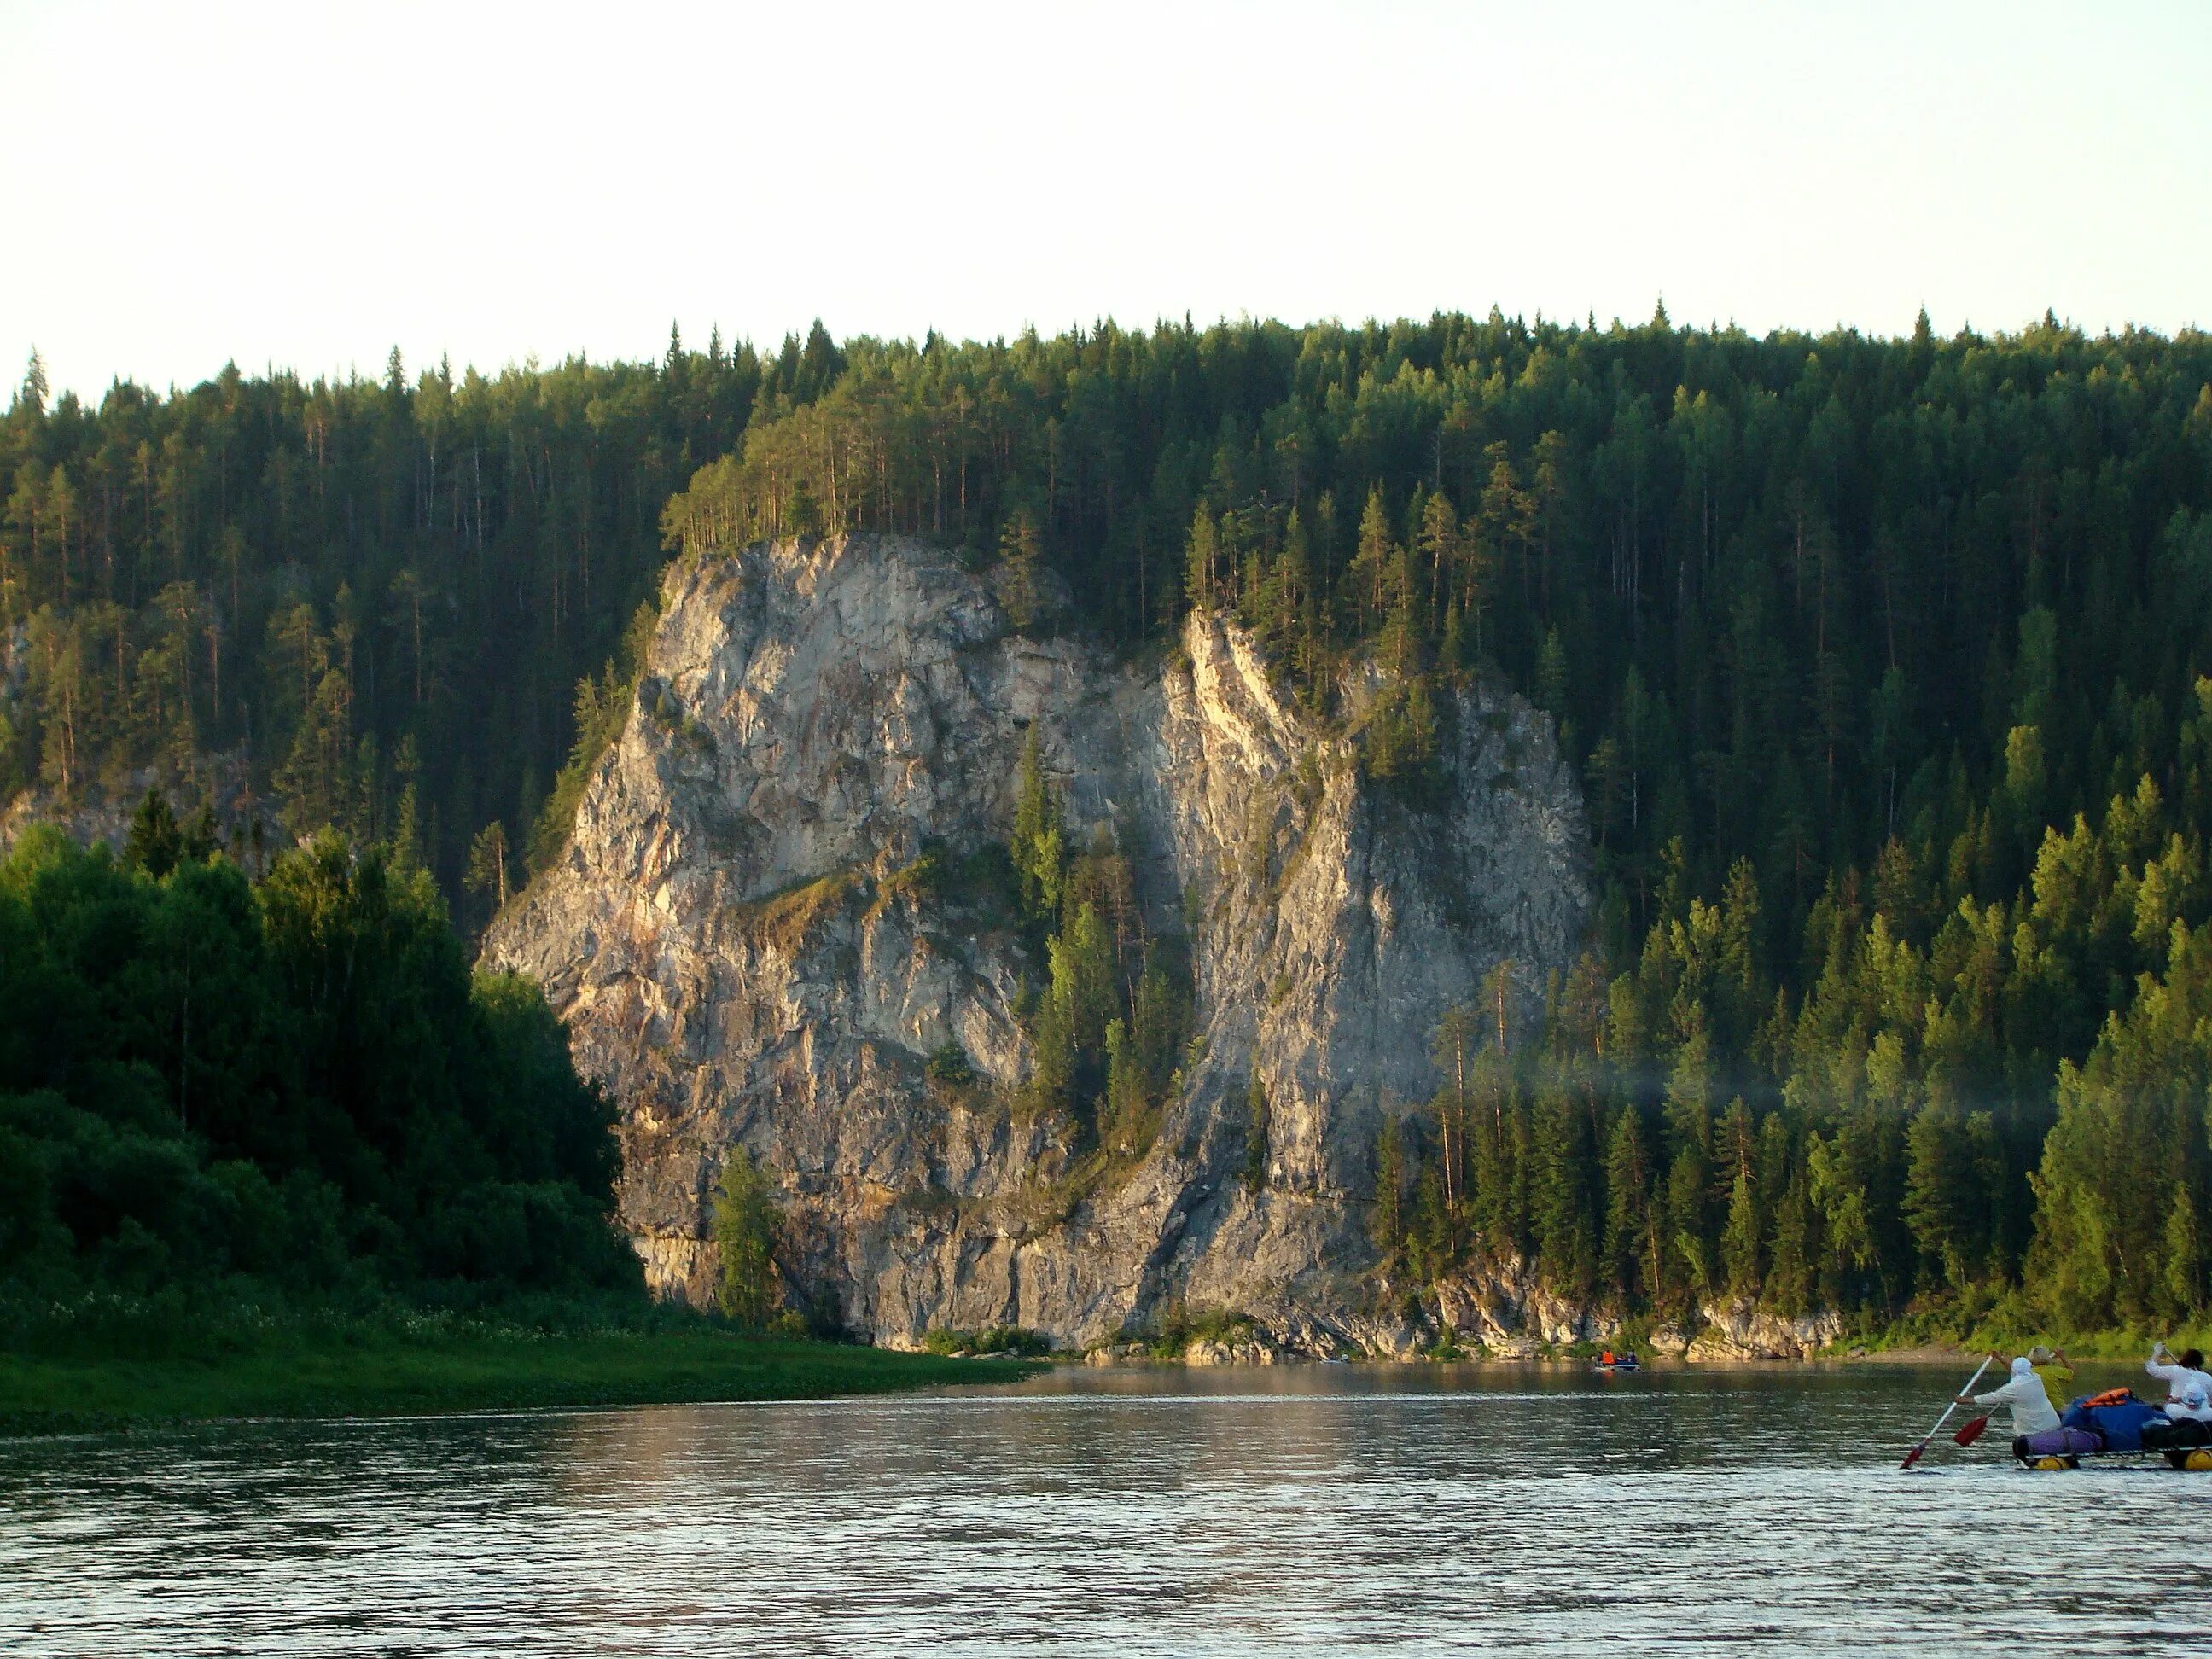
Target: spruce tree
155	843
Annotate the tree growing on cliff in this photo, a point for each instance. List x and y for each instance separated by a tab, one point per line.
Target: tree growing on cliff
1023	553
748	1292
487	864
1039	851
1258	1132
1386	1222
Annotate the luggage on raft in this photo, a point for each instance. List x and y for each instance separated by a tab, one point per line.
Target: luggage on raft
2180	1434
2058	1443
2120	1426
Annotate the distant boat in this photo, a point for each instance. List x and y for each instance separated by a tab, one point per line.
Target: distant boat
1611	1364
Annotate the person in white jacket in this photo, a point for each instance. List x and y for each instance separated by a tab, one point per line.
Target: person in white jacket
2023	1392
2188	1405
2188	1387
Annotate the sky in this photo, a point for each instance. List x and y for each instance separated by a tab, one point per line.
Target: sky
307	186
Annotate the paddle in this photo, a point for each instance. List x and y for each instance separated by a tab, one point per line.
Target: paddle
1971	1430
1914	1455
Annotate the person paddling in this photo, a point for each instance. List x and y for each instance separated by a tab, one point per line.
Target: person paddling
2188	1403
2188	1395
2022	1391
2056	1372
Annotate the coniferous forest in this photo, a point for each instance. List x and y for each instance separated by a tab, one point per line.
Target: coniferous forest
1886	663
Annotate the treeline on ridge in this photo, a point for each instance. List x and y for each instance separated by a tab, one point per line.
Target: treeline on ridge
381	594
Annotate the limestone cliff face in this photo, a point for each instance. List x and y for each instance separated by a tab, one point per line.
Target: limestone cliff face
746	948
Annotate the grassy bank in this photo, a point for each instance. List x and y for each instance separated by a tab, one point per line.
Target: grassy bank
2009	1323
2116	1346
390	1364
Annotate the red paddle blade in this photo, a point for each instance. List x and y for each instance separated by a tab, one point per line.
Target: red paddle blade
1972	1431
1914	1455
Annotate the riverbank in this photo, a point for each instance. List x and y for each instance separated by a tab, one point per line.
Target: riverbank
374	1371
1909	1342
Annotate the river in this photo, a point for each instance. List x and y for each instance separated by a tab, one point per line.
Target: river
1384	1509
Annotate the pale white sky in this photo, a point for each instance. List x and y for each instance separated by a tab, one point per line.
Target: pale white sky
306	183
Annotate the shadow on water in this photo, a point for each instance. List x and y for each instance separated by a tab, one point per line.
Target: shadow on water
1382	1509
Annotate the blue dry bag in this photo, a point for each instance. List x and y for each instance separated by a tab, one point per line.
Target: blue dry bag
2122	1425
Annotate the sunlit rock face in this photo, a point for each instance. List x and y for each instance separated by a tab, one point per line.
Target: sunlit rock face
748	947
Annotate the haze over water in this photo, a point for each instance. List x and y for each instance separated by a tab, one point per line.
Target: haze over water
1384	1509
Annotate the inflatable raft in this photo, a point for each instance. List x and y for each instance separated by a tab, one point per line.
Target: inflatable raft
2196	1460
2117	1428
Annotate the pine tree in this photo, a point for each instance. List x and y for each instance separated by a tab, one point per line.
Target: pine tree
1632	1242
1258	1128
1020	550
1551	683
1689	1178
1386	1220
1942	1202
1792	1249
1201	559
1127	1092
1375	561
1037	850
1439	546
1431	1247
487	865
155	844
1566	1229
1740	1241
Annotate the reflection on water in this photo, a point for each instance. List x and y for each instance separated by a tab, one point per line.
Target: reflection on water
1315	1508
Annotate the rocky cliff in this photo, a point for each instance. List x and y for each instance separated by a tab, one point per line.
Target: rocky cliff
754	940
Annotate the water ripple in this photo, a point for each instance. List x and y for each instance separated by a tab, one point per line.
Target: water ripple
1322	1509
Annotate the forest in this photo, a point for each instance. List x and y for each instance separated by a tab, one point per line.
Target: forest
1885	662
291	1086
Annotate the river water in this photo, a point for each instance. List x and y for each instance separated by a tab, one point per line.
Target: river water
1309	1508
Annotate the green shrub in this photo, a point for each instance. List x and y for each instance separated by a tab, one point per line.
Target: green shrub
748	1291
991	1339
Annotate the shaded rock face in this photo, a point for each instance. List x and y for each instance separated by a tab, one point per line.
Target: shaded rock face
99	810
750	948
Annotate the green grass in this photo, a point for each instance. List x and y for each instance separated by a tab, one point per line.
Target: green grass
1985	1321
367	1370
2133	1345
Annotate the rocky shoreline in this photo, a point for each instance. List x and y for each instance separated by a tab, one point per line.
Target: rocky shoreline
1724	1335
